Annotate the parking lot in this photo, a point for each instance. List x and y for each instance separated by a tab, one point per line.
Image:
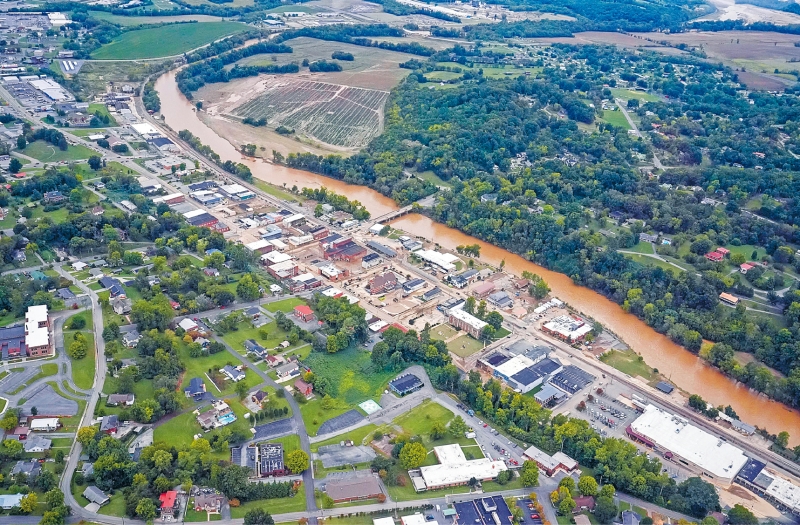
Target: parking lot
529	516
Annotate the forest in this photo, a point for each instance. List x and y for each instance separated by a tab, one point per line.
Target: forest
554	178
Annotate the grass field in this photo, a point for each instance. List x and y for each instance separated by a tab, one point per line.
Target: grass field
616	118
273	506
351	373
275	191
83	369
45	152
628	362
165	40
431	177
641	247
141	20
199	366
102	110
651	261
285	305
465	346
443	332
627	94
86	315
314	415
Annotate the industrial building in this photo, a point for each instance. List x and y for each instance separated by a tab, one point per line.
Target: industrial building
454	469
684	443
445	261
354	489
382	249
270	460
567	328
237	192
489	510
405	384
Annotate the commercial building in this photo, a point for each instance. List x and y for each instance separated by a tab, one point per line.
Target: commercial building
167	502
567	328
455	469
304	313
354	489
687	444
551	464
207	198
405	384
382	249
414	285
467	322
782	493
382	283
444	261
270	460
260	247
171	199
489	510
237	192
29	340
482	290
462	279
44	424
201	219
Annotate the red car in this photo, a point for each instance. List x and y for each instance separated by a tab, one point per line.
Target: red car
534	516
485	425
222	307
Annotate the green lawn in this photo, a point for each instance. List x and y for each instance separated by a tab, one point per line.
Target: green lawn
465	346
627	94
314	415
83	369
431	177
651	261
628	362
357	436
178	431
273	506
46	152
115	507
85	315
616	118
285	305
102	110
351	373
246	331
165	40
199	366
641	247
275	191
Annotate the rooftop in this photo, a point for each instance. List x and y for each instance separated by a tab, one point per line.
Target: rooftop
675	434
454	468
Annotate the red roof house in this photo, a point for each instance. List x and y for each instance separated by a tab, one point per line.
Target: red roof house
303	387
714	256
724	251
167	500
746	267
304	312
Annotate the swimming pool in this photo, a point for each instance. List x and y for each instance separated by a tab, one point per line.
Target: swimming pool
227	419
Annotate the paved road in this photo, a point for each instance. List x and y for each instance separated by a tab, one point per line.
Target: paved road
632	124
99	380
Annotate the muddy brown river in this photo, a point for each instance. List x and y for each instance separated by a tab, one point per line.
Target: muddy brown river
685	369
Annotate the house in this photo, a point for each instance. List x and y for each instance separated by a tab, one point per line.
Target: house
208	502
97	211
37	444
188	325
287	370
131	339
87	469
65	294
630	518
259	397
120	399
724	251
501	299
304	313
31	468
714	256
96	273
167	500
304	388
254	348
274	360
746	267
109	282
646	237
95	495
211	272
44	424
483	290
79	266
19	256
729	298
121	304
53	196
383	283
584	503
9	501
195	389
110	424
234	374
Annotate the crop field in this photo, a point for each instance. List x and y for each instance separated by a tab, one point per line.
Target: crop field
165	41
339	115
140	20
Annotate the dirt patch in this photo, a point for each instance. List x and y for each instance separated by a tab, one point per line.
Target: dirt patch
730	10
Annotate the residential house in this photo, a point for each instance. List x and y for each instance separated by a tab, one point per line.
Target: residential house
95	495
121	305
195	389
31	468
120	399
274	360
259	397
37	444
211	272
131	339
110	424
304	388
167	502
234	374
53	196
289	369
208	502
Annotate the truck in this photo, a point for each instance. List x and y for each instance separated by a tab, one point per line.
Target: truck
469	435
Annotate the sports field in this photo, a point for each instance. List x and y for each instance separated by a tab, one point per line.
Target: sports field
165	40
46	152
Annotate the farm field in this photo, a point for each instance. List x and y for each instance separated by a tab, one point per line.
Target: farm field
338	115
141	20
46	152
165	41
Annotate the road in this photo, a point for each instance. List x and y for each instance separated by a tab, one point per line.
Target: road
632	124
99	380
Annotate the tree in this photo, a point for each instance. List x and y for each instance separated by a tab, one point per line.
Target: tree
29	502
700	496
146	510
258	516
412	455
438	431
604	509
247	288
566	506
529	474
95	162
86	435
458	427
15	165
782	440
495	320
21	142
241	389
54	498
740	515
587	486
297	461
